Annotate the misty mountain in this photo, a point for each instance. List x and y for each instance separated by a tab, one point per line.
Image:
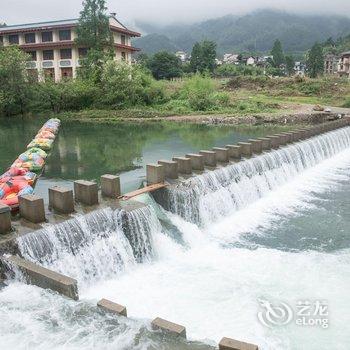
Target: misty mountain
254	32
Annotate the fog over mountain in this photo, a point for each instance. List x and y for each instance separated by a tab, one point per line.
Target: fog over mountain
163	12
252	32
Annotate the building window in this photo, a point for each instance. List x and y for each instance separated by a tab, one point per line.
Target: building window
46	37
32	55
67	73
29	38
82	51
124	56
49	73
123	40
48	55
66	54
64	34
13	39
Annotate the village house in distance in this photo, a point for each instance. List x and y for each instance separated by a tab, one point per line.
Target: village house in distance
53	50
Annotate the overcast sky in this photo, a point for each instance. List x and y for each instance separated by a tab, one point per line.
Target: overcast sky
161	11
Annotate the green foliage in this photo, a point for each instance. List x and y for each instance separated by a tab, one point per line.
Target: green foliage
14	87
314	62
290	63
203	57
231	70
66	95
164	65
124	85
94	33
338	46
347	103
277	53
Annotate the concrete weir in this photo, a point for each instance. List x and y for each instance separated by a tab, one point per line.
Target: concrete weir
231	344
169	327
112	307
42	277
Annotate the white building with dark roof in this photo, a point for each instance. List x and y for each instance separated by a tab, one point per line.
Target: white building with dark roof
52	47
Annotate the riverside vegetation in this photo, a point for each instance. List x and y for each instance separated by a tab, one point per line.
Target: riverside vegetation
130	91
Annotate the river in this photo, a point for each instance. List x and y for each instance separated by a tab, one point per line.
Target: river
273	230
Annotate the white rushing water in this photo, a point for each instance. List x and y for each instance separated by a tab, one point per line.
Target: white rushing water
198	270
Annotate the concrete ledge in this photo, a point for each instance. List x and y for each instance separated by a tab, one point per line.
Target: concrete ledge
246	149
110	186
112	307
5	218
209	158
221	154
266	143
32	208
283	139
169	327
275	141
234	151
231	344
86	192
61	199
44	278
155	174
184	165
170	168
256	145
197	161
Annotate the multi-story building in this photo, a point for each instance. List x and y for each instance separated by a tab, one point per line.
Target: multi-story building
52	47
331	64
344	64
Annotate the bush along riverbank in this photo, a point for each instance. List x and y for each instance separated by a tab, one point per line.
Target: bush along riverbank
120	90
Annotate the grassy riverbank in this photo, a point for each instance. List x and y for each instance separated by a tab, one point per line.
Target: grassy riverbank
237	97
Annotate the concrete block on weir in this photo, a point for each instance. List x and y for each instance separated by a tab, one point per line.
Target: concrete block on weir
170	168
112	307
222	154
274	141
256	145
231	344
5	219
234	151
169	327
184	165
197	161
61	200
155	174
289	136
110	186
246	149
266	143
209	158
86	192
283	139
43	277
32	208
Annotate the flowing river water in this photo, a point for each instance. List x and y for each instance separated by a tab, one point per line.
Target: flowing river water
272	229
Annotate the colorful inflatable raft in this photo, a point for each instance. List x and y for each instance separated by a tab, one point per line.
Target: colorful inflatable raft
21	177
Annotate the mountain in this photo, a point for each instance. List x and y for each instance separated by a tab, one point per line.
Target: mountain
254	32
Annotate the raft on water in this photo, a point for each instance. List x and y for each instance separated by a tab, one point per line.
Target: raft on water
21	177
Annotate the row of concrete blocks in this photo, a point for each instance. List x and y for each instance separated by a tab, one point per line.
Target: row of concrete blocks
64	285
61	200
171	169
174	329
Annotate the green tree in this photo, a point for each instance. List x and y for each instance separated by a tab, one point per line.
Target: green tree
93	32
277	53
290	63
14	86
315	61
165	65
203	57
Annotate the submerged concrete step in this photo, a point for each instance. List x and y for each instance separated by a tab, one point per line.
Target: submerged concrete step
43	277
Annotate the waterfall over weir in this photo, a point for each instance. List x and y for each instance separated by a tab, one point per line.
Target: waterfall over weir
206	198
94	246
